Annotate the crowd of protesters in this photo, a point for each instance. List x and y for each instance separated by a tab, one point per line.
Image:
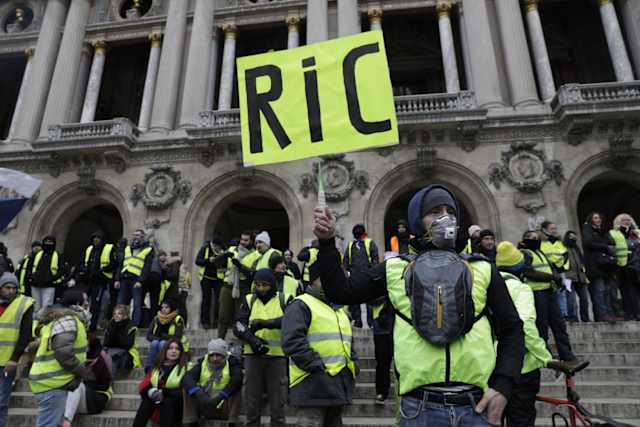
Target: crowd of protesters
282	333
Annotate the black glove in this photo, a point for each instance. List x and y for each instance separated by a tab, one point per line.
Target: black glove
256	325
202	398
228	254
258	346
236	262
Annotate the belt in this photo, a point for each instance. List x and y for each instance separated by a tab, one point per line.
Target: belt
450	399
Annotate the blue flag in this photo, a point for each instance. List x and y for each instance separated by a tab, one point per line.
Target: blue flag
15	189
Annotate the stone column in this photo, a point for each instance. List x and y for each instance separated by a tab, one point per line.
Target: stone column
630	11
95	82
617	49
448	48
65	75
484	65
213	71
37	87
540	54
522	84
293	25
81	84
168	83
23	87
317	21
228	66
464	44
194	99
348	18
150	82
375	19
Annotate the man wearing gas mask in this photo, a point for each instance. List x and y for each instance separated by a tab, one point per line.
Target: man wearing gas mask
443	348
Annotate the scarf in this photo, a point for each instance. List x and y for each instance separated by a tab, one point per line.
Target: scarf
216	376
164	319
234	274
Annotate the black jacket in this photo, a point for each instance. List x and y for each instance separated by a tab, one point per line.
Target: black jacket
120	334
91	272
210	268
42	277
191	378
367	285
95	400
595	243
319	388
158	331
6	264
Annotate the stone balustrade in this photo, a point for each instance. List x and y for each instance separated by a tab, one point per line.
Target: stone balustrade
221	119
118	127
596	93
435	103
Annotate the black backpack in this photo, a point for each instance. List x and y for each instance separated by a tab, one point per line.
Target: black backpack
439	284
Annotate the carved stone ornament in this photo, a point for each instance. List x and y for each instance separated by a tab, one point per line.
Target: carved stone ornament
579	130
209	155
87	179
525	168
161	187
427	159
56	165
620	151
339	176
116	160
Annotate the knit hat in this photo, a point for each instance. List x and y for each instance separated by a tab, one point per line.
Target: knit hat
274	261
265	275
508	255
486	232
425	200
264	237
474	228
8	278
217	346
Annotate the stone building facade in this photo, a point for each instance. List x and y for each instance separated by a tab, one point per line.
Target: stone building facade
127	110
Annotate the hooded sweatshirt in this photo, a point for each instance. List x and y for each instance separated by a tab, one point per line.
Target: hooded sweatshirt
43	277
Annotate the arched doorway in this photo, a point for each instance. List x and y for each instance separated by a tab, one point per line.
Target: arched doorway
610	194
102	217
253	213
398	210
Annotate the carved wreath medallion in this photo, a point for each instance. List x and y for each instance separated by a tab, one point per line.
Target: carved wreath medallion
161	187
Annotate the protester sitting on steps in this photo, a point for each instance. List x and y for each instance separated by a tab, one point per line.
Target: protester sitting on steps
91	396
167	324
120	341
160	388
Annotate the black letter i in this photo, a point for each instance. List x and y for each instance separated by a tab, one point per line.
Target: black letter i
313	101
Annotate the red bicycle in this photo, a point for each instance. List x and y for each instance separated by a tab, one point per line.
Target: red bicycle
576	411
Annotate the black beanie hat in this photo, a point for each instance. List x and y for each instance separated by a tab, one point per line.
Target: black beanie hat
487	232
274	261
265	275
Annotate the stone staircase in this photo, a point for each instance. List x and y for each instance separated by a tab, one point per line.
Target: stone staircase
609	386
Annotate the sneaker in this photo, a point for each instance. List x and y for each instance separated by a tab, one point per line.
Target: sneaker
379	400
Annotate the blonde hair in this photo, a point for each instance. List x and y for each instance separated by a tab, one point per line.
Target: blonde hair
123	308
617	222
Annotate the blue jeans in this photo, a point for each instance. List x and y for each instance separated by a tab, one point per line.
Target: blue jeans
601	297
561	296
419	413
51	405
154	348
5	394
127	291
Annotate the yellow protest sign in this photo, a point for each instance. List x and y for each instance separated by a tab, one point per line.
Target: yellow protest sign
329	97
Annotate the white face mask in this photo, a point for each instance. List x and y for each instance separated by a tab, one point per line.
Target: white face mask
444	231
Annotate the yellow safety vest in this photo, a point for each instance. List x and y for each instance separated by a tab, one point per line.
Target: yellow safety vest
23	274
215	387
367	248
329	334
622	249
313	257
173	382
135	263
263	261
105	258
468	249
289	288
164	287
220	272
539	263
172	330
54	265
269	311
556	253
133	351
471	358
10	326
46	373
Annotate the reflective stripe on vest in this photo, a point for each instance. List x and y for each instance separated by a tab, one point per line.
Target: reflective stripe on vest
172	331
54	265
220	272
208	384
269	311
173	382
622	249
105	258
135	263
556	253
313	256
263	262
367	248
10	326
46	373
471	357
23	274
536	356
164	287
330	335
538	263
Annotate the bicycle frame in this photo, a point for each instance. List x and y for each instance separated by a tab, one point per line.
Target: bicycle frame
576	411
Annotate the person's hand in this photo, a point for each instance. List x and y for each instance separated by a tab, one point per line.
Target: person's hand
211	259
324	223
493	403
116	284
137	285
10	368
155	395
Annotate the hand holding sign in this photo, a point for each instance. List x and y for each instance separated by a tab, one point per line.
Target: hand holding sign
324	223
325	98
